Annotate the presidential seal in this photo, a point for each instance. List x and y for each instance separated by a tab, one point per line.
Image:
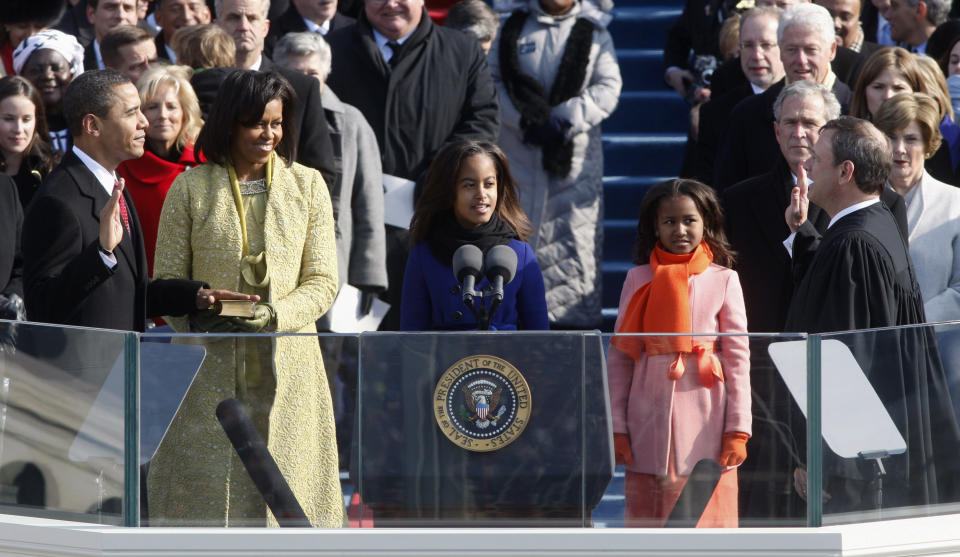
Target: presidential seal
482	403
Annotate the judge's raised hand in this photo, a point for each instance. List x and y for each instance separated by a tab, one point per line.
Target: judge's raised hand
111	225
206	297
796	213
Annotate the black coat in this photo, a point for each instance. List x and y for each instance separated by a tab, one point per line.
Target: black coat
11	223
440	90
74	22
727	77
861	277
846	65
66	280
314	147
697	29
808	237
750	145
756	228
90	57
868	20
292	22
161	45
714	119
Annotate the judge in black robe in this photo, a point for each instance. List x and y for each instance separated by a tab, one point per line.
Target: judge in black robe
756	230
861	277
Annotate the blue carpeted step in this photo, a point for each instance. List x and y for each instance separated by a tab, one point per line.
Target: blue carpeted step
626	154
618	239
642	69
622	195
609	513
661	111
642	26
614	273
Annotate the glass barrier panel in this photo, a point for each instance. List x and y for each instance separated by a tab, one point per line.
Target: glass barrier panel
889	423
674	418
240	430
62	408
481	429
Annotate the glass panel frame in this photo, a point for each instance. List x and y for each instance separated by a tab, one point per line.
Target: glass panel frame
64	439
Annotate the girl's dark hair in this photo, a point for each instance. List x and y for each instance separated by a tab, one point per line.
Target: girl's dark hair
707	204
944	60
440	189
43	156
241	100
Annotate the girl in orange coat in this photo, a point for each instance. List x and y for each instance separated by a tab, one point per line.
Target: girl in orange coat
679	399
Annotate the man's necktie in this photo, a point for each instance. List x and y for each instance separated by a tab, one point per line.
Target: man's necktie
123	210
395	48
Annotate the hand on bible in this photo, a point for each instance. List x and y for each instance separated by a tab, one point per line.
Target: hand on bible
111	224
264	317
621	449
796	213
206	297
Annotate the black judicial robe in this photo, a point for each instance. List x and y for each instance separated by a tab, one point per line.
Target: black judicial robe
861	277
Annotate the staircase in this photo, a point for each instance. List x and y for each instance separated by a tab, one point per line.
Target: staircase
643	140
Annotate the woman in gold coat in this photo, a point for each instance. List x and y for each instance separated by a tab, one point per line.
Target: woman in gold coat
254	222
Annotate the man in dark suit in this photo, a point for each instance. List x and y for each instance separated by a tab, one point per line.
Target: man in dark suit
246	22
105	15
761	67
755	207
419	86
757	230
175	14
807	46
317	16
129	50
913	21
697	31
861	277
84	261
846	23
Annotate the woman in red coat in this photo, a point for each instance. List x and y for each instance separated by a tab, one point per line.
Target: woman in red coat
173	113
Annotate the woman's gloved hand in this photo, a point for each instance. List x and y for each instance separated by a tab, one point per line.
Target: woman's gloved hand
264	317
733	448
209	321
621	449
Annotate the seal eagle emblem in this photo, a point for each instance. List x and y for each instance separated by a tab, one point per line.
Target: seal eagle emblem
482	403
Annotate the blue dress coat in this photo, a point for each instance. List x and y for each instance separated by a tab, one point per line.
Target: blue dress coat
432	300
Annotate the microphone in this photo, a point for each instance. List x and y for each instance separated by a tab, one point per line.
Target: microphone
500	268
260	465
467	262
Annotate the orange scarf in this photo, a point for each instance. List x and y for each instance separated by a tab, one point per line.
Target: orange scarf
663	305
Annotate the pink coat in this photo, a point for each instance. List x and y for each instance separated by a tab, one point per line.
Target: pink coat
655	410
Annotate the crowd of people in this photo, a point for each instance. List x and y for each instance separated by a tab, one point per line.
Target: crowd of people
830	137
161	157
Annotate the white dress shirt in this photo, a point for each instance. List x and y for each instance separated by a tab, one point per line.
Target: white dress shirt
382	41
323	29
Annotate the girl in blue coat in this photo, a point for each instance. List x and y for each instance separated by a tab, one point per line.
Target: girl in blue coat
469	198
